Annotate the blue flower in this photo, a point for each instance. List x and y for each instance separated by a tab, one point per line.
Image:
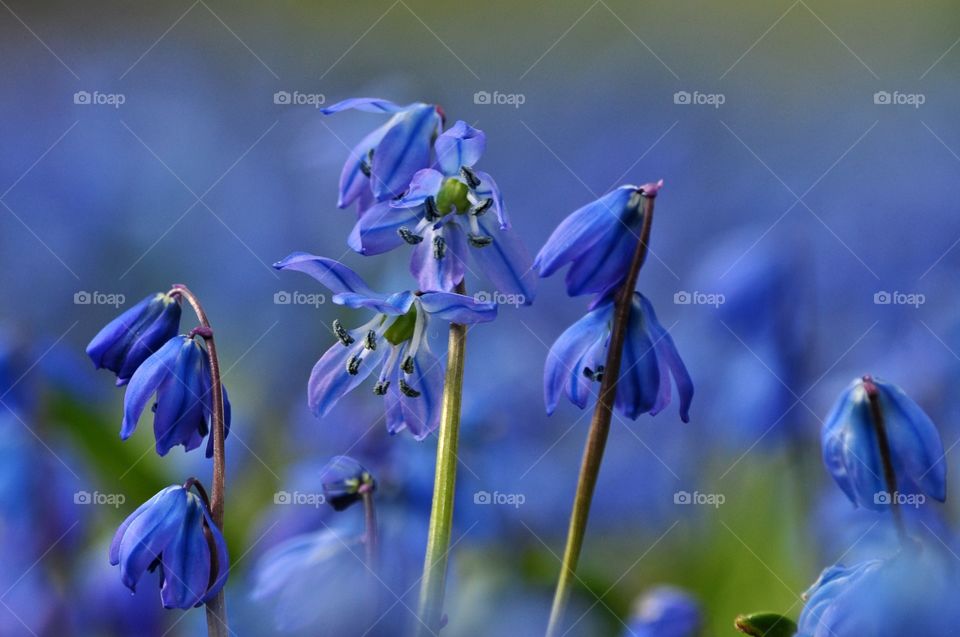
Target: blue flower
345	481
382	164
129	339
650	357
173	530
665	611
445	210
395	339
851	450
179	374
598	240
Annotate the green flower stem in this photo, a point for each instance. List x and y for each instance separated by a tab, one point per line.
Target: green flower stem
216	608
599	428
441	513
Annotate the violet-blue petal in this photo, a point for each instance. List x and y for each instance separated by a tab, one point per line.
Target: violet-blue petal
667	354
394	304
403	151
421	414
568	350
366	104
186	560
114	553
918	450
354	182
488	189
145	381
609	259
179	417
332	274
145	538
460	145
639	381
376	230
445	273
222	563
330	381
425	183
507	263
458	308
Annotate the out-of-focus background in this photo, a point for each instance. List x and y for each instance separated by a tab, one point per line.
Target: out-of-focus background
807	233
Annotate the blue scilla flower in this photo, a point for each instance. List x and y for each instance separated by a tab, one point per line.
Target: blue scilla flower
851	447
598	241
395	339
381	165
129	339
173	531
345	481
179	374
448	211
577	359
665	611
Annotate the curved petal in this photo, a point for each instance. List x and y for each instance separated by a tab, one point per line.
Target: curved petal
914	442
404	150
391	400
114	552
179	415
425	183
145	382
330	381
186	560
488	189
567	352
458	308
366	104
222	564
354	182
668	358
639	382
445	272
395	304
460	145
333	275
150	338
376	230
506	262
605	265
421	414
149	534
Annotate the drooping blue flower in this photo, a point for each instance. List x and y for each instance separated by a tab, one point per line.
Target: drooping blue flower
179	374
411	377
129	339
665	611
345	481
650	358
851	448
598	240
445	211
382	164
173	530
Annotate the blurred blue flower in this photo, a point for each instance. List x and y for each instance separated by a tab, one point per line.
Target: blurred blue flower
650	357
128	340
598	240
179	374
665	611
345	481
851	450
442	212
411	377
382	164
173	530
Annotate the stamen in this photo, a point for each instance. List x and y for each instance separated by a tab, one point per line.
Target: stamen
341	333
479	240
439	247
485	205
431	212
470	177
407	365
381	387
353	365
408	236
367	163
596	376
370	341
408	390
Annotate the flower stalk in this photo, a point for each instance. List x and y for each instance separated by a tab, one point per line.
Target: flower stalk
883	442
433	584
371	537
599	427
216	608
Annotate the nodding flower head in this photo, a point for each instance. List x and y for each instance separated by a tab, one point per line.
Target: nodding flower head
345	481
852	446
132	337
382	164
395	340
179	374
173	531
575	364
665	611
598	240
448	211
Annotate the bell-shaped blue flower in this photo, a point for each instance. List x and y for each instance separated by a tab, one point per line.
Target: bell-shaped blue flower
382	164
129	339
179	374
345	481
665	611
447	211
395	339
851	446
173	531
598	241
650	358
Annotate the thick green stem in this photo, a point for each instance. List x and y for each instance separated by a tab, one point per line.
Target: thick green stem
599	428
441	513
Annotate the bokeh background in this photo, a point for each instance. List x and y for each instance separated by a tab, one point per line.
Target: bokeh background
807	234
